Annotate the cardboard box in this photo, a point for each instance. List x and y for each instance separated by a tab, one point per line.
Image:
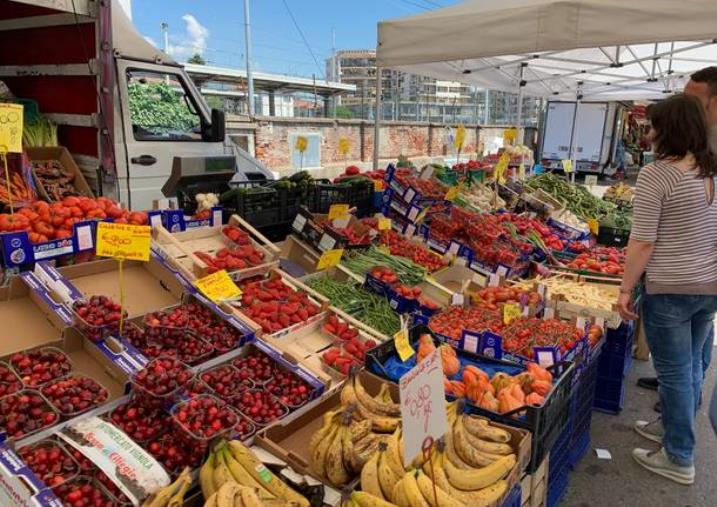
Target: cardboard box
296	257
534	486
179	249
31	320
609	284
63	156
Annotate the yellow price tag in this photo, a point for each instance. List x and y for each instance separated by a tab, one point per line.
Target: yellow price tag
510	134
218	287
377	185
404	349
301	144
501	167
11	119
460	137
422	215
384	249
567	165
384	224
452	193
594	226
123	241
338	211
330	258
344	146
511	312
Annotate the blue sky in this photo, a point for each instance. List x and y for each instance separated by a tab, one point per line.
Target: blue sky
215	28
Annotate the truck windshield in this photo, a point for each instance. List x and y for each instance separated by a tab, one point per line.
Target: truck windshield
160	108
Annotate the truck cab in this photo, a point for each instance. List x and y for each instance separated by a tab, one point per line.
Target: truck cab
124	108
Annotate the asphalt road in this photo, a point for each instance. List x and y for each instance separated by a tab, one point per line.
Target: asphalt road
620	481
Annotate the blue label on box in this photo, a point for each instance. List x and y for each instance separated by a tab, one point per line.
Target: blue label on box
491	345
19	251
176	221
470	341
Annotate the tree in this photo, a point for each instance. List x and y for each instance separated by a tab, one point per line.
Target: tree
158	108
343	112
197	59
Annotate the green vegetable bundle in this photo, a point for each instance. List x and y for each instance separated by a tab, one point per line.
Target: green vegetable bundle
372	310
576	198
408	272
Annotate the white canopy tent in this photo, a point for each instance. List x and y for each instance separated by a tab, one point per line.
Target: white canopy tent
569	49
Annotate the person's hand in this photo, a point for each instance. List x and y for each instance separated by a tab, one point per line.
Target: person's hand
625	307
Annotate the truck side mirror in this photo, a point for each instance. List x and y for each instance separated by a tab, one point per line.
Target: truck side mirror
216	130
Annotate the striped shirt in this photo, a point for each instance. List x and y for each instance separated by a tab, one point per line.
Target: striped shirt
672	211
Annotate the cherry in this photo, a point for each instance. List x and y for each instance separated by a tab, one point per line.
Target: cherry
25	412
139	422
226	381
73	395
172	451
260	406
9	382
162	378
83	492
49	461
40	366
98	317
204	417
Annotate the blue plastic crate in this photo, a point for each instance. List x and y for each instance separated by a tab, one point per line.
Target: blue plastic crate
613	365
579	448
610	395
514	497
560	453
619	341
557	488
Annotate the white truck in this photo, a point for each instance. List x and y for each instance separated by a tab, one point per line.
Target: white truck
581	132
124	109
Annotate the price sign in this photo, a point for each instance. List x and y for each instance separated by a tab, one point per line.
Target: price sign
384	224
591	180
501	168
344	146
123	241
330	258
377	185
422	215
567	165
218	287
594	226
11	119
423	405
511	312
460	137
403	347
384	249
509	135
338	211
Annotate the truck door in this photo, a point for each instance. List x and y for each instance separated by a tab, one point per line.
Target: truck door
557	133
162	115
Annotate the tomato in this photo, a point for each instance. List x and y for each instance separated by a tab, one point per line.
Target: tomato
138	218
71	201
43	228
114	211
62	234
12	223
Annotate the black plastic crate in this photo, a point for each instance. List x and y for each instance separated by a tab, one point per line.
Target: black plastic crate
295	197
610	395
545	423
186	196
357	194
258	204
609	236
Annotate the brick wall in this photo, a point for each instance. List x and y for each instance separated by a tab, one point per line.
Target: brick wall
421	142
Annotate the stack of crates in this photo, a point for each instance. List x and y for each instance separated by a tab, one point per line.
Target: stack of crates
612	369
559	466
583	398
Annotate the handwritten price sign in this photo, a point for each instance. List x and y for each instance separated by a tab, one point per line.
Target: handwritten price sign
123	241
423	405
11	119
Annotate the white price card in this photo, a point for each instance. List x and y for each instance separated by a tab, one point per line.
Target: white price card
423	403
299	223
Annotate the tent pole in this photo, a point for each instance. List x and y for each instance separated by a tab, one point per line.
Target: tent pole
377	119
573	136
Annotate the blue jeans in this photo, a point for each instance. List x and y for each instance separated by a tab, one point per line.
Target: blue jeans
676	328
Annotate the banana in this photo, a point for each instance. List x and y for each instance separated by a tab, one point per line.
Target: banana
413	492
452	454
184	480
206	480
376	406
387	478
336	472
364	499
359	430
431	494
364	450
162	497
484	446
221	473
316	438
263	475
399	494
480	428
241	476
465	450
470	480
353	462
369	476
384	394
485	497
211	501
318	458
249	498
393	455
379	423
451	412
225	494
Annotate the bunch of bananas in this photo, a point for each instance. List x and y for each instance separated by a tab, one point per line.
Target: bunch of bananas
468	469
620	192
172	495
351	435
232	476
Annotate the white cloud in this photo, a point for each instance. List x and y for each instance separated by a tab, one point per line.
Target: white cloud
150	40
193	41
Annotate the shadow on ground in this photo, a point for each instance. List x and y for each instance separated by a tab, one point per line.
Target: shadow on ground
620	481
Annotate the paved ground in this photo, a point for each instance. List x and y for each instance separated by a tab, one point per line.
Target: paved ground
620	481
